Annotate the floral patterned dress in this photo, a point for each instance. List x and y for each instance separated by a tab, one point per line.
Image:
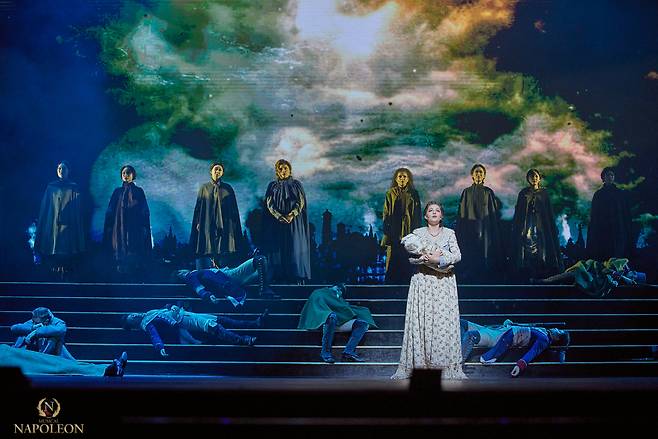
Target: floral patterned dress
431	328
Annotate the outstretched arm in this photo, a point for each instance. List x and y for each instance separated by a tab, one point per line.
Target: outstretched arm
156	341
539	346
193	280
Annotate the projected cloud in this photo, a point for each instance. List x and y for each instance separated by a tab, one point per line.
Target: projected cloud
347	91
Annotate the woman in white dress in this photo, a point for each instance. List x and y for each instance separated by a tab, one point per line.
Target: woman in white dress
431	328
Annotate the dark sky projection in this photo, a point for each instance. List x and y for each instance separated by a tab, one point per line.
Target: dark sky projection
346	90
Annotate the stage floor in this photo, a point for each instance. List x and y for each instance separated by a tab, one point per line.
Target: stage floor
543	407
272	384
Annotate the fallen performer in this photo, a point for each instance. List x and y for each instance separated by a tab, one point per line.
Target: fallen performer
537	338
208	283
597	278
177	317
38	363
327	308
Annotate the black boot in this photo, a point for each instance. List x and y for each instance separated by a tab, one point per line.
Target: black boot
328	330
263	279
359	328
118	366
231	337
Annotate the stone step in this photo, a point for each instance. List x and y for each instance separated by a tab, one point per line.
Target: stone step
302	292
303	337
378	306
372	370
112	319
305	353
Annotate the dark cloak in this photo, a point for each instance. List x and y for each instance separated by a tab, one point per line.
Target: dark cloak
478	231
533	208
216	213
323	302
609	234
60	230
288	246
402	215
127	230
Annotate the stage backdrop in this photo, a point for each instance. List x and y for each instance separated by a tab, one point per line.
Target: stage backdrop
348	91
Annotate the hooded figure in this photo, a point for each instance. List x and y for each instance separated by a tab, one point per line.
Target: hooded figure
478	232
60	233
216	227
535	244
402	214
287	233
609	234
127	230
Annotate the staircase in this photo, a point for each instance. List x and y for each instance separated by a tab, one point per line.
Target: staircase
609	337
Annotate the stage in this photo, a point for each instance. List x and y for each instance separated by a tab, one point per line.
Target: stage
280	385
340	405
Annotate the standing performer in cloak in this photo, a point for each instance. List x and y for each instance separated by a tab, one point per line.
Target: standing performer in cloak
535	244
127	230
478	232
402	214
609	234
60	236
286	227
216	228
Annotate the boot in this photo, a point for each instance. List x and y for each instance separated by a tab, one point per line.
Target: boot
469	340
231	337
248	340
359	328
118	366
263	279
327	338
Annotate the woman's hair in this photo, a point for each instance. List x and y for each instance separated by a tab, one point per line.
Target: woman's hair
436	203
130	170
282	162
410	185
220	164
478	165
606	170
530	172
279	163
